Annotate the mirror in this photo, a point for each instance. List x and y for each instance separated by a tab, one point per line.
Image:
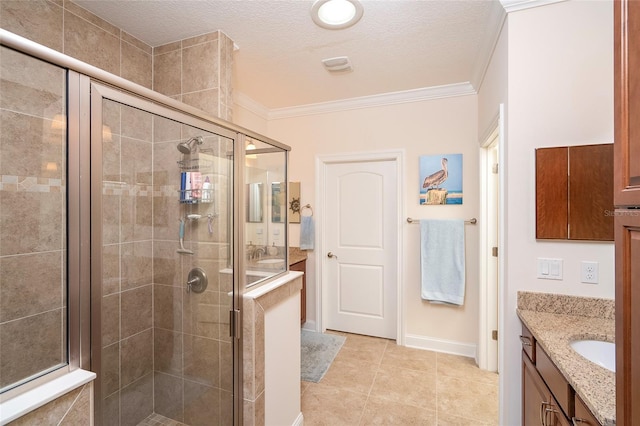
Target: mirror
254	202
277	202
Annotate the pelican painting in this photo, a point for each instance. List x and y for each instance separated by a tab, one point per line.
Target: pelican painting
435	179
441	179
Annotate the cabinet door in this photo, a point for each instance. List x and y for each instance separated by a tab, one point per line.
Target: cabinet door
552	195
627	102
534	394
590	195
302	267
583	416
627	317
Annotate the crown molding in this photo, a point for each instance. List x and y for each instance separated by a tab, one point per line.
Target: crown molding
488	44
517	5
250	105
392	98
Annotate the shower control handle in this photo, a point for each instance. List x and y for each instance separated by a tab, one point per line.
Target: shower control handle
197	280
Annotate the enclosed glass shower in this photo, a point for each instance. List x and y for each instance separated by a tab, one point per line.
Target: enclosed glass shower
154	238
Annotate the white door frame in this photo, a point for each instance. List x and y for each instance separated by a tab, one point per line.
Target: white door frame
322	163
489	296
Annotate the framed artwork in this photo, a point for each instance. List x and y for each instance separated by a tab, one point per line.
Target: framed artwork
441	179
294	202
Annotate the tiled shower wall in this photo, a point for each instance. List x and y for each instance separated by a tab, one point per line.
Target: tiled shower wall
142	285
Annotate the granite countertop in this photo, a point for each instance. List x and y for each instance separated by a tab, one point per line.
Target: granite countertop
296	255
556	320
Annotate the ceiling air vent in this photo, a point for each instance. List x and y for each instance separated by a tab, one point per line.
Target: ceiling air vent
338	64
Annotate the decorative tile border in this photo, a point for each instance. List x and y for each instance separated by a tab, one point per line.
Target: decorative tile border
10	183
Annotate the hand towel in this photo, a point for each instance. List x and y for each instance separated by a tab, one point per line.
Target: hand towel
442	258
307	233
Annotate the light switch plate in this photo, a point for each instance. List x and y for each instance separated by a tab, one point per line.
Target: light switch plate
549	269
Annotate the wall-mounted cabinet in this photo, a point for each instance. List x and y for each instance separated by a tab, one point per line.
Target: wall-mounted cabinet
574	192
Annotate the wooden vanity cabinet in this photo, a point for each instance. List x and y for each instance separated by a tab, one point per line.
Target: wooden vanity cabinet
302	267
583	416
539	407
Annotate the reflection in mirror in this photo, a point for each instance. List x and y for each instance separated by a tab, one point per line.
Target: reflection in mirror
254	202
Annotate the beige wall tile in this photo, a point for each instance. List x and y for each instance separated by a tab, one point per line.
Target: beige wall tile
135	310
166	212
80	412
203	38
110	319
128	38
37	20
111	153
202	360
136	262
136	214
166	262
110	269
167	73
167	351
37	215
111	410
136	64
43	328
89	43
169	47
111	219
136	161
136	124
136	357
31	147
206	100
110	373
136	401
202	404
200	67
167	305
168	400
165	171
30	284
202	314
90	17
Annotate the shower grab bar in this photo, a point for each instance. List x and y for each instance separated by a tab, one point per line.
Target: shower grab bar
471	221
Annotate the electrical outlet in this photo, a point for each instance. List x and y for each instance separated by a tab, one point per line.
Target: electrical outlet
589	272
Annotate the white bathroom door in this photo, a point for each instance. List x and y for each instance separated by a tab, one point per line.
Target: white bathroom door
361	247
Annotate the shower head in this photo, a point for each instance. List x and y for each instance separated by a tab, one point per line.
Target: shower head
188	146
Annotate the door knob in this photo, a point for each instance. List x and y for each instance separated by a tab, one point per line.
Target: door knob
330	255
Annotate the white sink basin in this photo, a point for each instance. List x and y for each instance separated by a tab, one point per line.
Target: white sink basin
271	261
597	351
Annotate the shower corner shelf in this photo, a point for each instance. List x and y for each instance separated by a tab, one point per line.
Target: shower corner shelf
190	196
201	194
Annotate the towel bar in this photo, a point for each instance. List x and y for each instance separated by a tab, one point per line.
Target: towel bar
472	221
306	206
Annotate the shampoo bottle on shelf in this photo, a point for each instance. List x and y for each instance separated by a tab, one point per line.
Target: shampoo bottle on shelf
206	189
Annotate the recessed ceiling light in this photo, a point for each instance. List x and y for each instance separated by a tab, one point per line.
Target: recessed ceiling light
336	14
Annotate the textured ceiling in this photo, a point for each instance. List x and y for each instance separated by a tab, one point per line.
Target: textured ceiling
398	45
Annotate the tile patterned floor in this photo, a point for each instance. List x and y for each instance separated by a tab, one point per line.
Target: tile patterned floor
158	420
373	381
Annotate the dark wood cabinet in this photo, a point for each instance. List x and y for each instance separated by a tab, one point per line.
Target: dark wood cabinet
539	407
302	267
627	201
573	192
627	102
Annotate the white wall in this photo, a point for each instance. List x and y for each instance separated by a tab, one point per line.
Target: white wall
560	92
440	126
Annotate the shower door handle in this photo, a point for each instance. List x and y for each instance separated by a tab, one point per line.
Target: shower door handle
331	255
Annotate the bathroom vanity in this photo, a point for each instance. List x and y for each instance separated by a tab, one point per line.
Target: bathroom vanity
560	386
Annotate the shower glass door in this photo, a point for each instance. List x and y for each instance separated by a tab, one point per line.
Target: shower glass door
162	267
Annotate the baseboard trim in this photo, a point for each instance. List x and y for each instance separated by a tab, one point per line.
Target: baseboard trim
299	420
440	345
309	325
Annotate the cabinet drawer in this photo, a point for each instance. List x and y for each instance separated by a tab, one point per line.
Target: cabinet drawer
528	343
583	415
556	382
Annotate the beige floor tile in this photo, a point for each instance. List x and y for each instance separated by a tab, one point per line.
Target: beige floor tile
477	400
379	411
330	406
409	358
464	368
404	386
353	375
451	420
303	386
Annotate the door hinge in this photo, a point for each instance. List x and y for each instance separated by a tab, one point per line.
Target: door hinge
234	323
494	251
494	334
494	169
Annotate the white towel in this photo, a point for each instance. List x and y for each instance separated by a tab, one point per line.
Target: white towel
442	254
307	233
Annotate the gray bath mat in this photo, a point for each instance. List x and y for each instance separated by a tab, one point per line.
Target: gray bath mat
317	352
